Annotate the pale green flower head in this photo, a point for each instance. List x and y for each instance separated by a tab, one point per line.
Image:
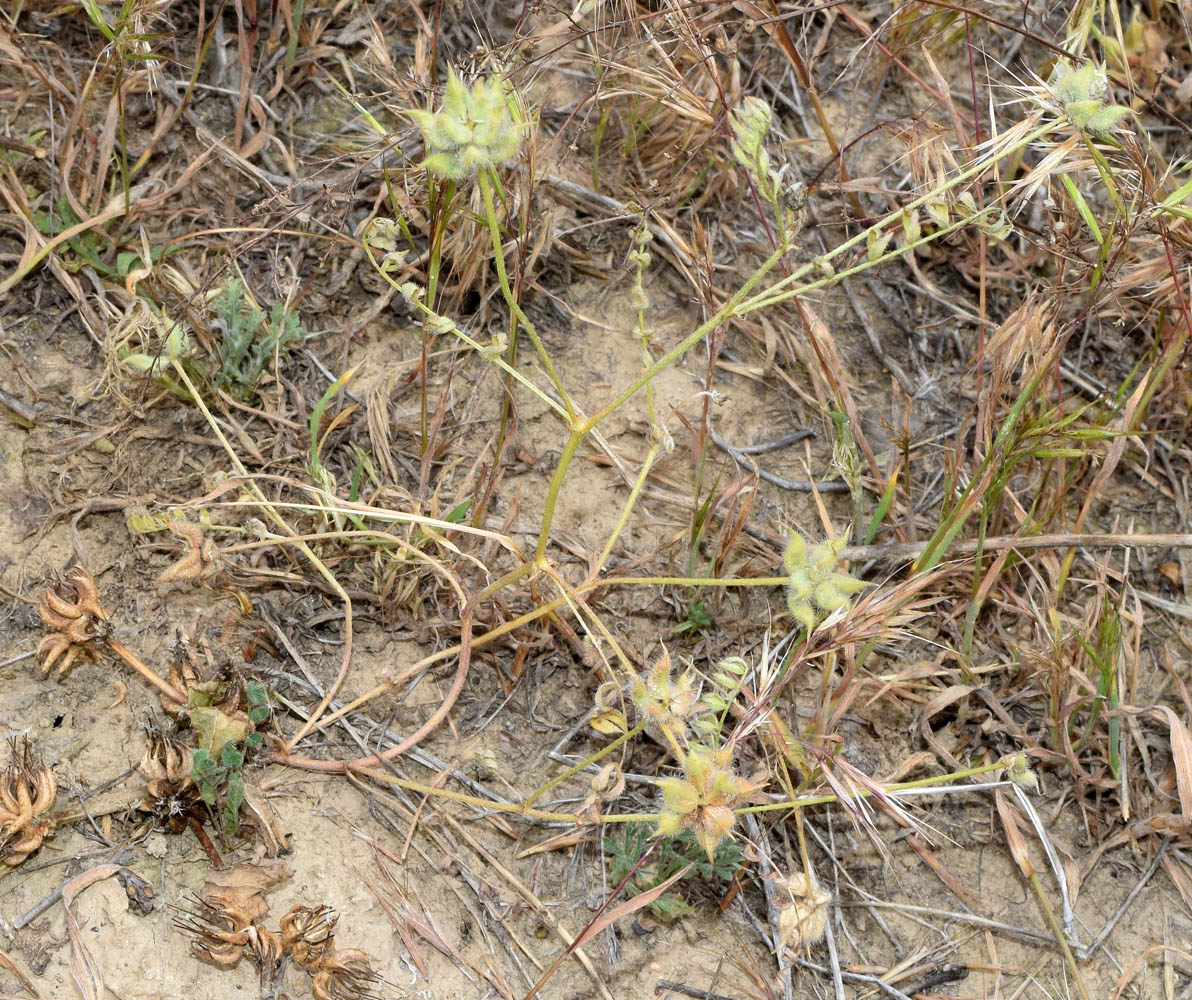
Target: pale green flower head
814	586
1081	92
476	128
702	800
750	125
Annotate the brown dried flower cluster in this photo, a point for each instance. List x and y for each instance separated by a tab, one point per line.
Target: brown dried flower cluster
74	624
803	915
170	790
224	932
77	621
27	791
199	562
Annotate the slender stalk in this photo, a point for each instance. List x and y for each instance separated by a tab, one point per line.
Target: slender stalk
447	325
432	288
139	665
634	493
267	508
1057	931
494	229
895	217
818	800
556	484
598	755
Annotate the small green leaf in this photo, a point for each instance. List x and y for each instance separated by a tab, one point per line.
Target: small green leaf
911	229
667	907
231	758
202	762
459	512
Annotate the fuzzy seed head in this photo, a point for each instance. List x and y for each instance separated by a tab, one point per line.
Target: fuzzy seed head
664	700
803	917
475	129
702	800
815	587
1081	92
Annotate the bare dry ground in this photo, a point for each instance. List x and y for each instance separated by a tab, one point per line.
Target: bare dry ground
300	398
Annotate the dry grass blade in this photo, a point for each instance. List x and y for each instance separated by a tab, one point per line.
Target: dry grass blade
84	969
8	963
604	919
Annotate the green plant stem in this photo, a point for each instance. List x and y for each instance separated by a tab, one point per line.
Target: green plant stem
817	800
647	376
574	440
494	229
774	295
895	217
449	326
1057	932
433	268
820	800
489	805
598	755
634	493
725	313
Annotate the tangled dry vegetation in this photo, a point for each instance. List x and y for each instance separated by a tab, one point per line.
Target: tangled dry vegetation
736	455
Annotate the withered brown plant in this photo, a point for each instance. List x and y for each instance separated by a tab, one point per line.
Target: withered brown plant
27	791
200	561
224	931
344	975
76	619
170	791
78	623
220	932
308	933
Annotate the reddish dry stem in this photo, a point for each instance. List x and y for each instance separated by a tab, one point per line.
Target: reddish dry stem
139	665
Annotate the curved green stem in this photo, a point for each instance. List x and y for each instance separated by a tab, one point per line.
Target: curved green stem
601	753
556	484
820	800
634	493
494	229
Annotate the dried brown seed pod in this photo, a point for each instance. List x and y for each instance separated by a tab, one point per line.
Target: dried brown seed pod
803	915
266	948
308	933
75	624
27	791
199	562
220	934
170	789
344	975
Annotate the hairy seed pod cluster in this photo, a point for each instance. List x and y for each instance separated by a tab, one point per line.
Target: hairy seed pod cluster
815	587
477	128
702	800
666	701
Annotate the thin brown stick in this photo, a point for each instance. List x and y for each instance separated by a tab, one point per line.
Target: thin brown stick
139	665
